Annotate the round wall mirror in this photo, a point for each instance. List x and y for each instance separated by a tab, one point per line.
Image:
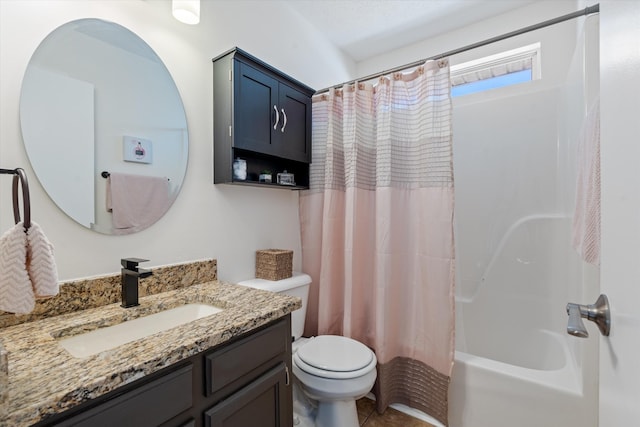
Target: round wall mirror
104	126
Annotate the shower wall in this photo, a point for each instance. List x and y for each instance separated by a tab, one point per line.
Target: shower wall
515	147
506	169
515	174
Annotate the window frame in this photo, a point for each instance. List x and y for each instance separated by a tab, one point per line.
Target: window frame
495	66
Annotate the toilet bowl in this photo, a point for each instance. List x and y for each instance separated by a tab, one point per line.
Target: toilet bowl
335	371
330	370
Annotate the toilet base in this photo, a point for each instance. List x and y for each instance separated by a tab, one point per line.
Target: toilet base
304	410
334	413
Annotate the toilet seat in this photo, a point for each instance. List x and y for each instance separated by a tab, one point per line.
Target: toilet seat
335	357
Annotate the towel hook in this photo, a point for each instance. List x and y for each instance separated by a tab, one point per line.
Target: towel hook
19	175
26	199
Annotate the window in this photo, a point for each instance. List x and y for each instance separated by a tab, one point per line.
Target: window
503	69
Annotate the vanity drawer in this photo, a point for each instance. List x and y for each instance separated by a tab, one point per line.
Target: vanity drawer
243	361
262	402
168	396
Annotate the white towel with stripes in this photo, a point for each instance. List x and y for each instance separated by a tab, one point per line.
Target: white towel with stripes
16	291
41	265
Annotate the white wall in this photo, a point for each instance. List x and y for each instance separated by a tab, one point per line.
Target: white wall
501	24
206	221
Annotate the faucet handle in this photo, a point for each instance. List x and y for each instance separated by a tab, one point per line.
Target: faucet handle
132	263
598	313
576	326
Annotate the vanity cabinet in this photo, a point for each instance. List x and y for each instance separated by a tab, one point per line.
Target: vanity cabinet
244	382
168	395
262	116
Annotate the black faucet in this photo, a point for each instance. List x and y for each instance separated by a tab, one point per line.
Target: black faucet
130	275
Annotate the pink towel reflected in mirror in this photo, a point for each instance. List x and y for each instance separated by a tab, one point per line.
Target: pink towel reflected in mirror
136	201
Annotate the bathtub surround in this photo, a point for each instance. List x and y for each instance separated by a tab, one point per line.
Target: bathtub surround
377	231
99	291
515	188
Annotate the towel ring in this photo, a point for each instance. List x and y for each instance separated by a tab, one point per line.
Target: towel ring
26	200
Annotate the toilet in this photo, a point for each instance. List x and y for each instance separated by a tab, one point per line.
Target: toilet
331	371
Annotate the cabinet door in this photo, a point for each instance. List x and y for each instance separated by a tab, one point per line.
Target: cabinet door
295	125
254	110
235	364
263	402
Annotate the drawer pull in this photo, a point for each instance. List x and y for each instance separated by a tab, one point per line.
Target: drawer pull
275	124
286	372
284	120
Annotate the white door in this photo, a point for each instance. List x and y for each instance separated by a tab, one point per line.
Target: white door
620	168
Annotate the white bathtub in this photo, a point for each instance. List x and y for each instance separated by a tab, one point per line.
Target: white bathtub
515	366
489	393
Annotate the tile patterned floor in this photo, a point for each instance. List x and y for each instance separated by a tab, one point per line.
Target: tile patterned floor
368	417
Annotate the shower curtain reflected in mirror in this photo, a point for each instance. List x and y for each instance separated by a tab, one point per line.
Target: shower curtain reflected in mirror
377	230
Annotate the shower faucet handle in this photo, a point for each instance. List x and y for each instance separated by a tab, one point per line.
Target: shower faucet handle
598	313
575	326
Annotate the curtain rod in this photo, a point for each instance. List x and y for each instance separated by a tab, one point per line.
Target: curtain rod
584	12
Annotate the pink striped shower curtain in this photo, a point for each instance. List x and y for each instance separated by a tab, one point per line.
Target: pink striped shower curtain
377	230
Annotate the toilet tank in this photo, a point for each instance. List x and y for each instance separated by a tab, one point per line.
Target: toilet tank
295	286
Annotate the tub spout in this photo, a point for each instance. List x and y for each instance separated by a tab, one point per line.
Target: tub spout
597	313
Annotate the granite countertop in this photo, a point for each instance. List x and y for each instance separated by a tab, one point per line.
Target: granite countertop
45	379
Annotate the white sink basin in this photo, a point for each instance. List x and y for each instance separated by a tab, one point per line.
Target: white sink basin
99	340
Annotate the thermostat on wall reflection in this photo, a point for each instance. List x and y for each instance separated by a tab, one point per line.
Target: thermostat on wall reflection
137	150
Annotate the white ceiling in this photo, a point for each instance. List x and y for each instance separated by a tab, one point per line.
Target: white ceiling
366	28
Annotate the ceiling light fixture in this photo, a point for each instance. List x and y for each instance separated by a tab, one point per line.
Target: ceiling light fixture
186	11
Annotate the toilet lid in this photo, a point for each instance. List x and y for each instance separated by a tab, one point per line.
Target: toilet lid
335	353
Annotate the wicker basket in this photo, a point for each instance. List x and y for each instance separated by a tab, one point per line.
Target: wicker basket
274	264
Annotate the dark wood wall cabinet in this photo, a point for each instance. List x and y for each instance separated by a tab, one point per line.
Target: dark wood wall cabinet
261	116
245	382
